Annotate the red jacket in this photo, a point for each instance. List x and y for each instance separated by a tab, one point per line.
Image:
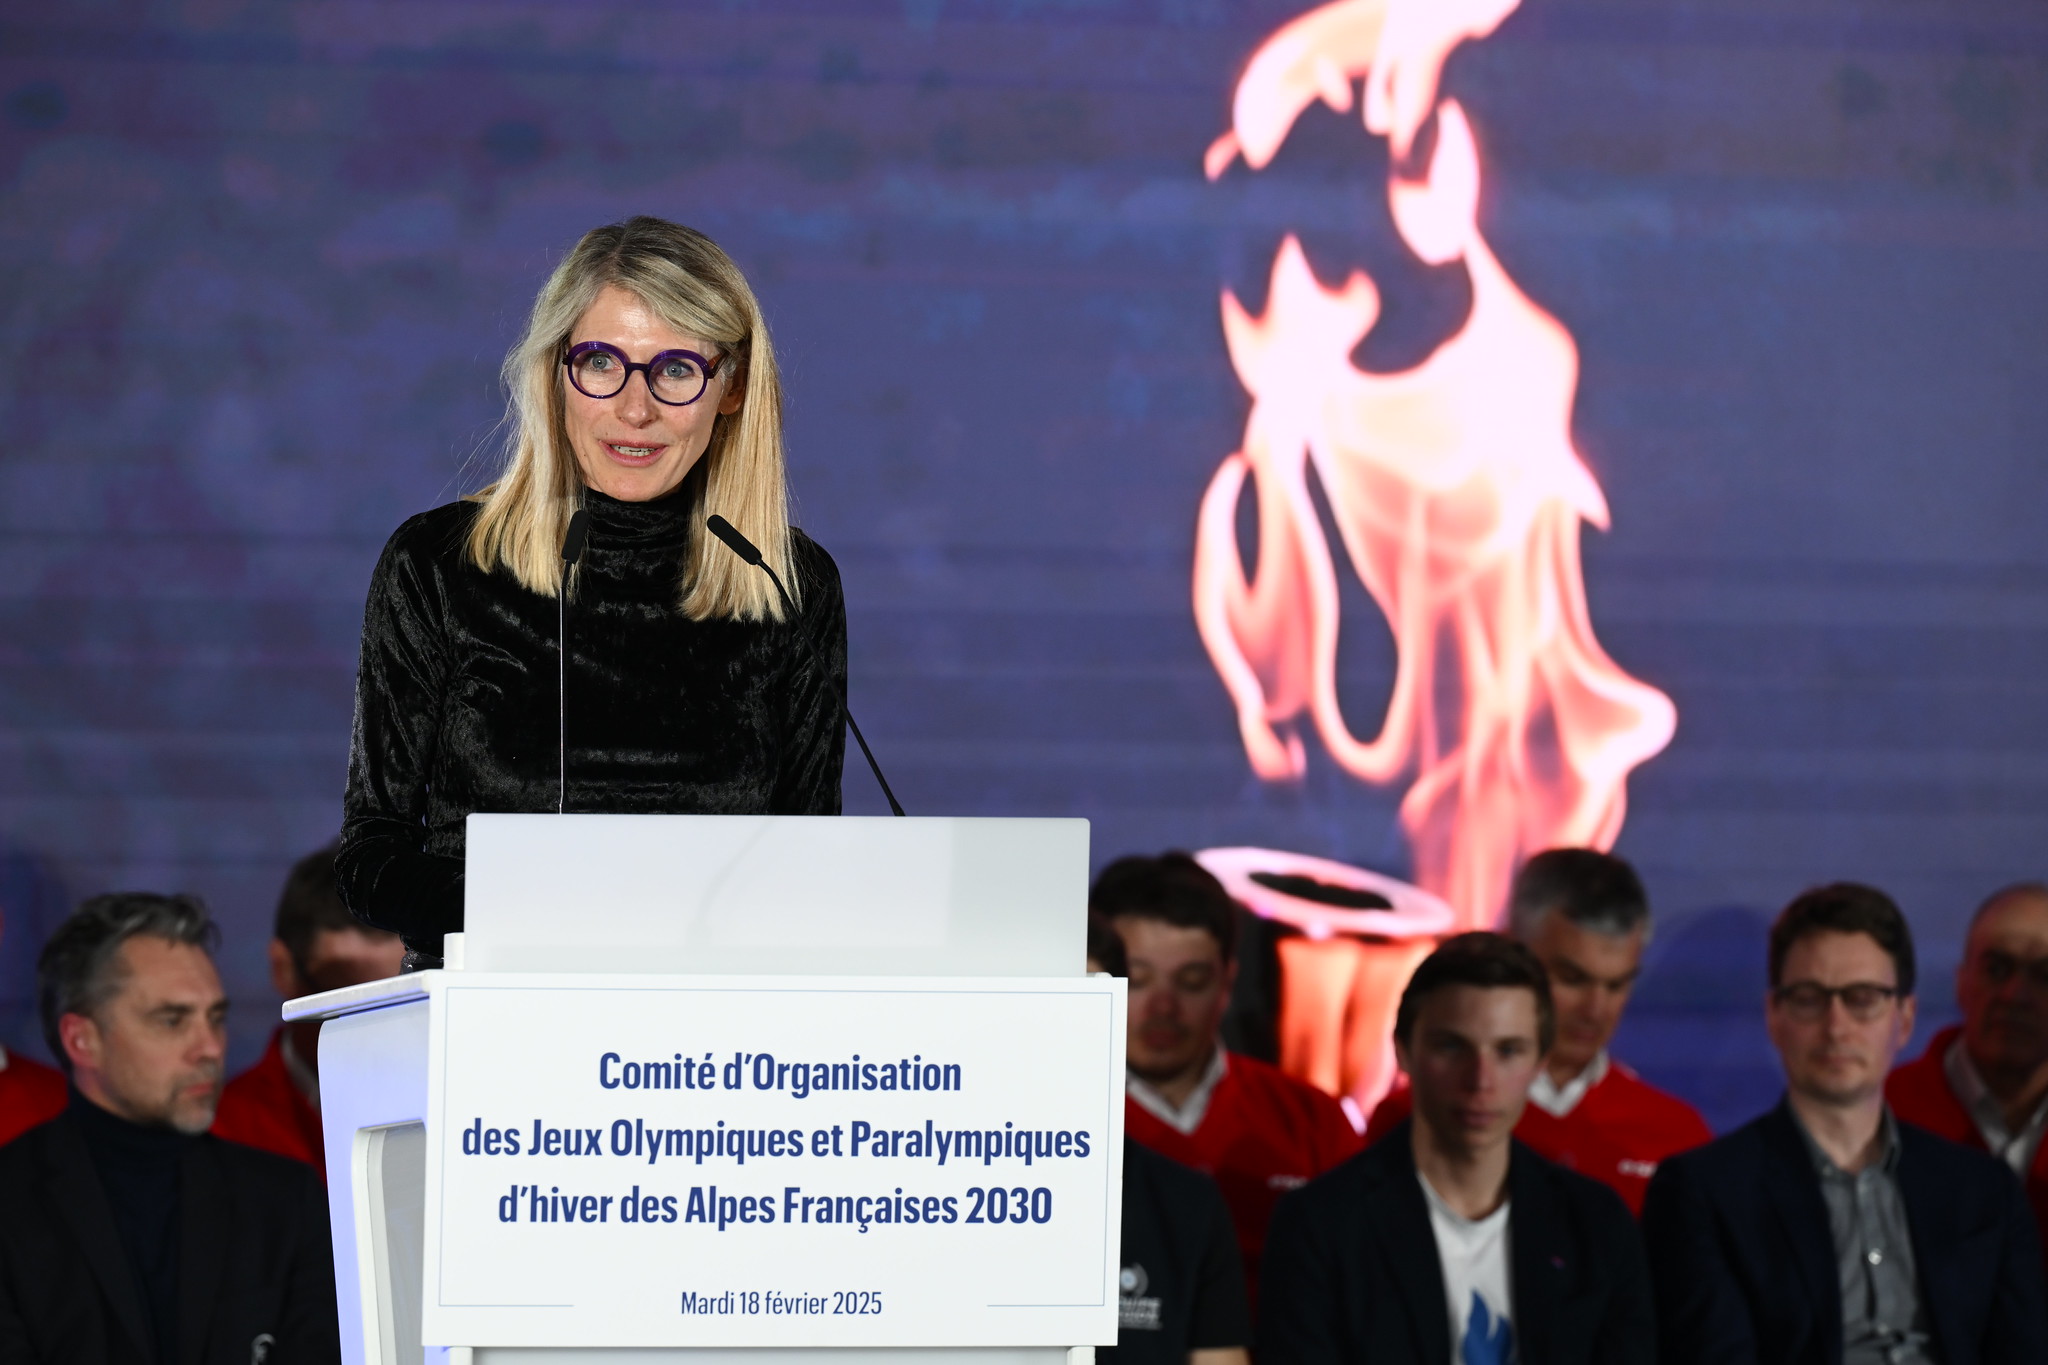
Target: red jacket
1918	1093
263	1108
1263	1134
1617	1133
30	1093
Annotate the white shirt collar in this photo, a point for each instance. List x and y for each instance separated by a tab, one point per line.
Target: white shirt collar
2014	1149
3	1057
1559	1100
1189	1115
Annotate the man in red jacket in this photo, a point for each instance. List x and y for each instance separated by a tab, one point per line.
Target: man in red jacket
1586	918
1985	1084
30	1093
316	945
1256	1130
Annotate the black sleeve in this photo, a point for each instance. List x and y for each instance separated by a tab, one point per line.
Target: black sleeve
1628	1333
14	1338
2018	1327
1703	1318
1299	1297
814	729
311	1329
1221	1317
387	879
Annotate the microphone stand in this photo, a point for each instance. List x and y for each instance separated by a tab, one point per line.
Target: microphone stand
572	551
751	553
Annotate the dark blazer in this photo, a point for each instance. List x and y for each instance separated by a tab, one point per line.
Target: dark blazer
1351	1271
1744	1260
254	1260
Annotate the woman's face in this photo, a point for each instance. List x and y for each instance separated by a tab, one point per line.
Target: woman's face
630	446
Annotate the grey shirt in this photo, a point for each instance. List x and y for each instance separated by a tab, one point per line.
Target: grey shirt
1883	1322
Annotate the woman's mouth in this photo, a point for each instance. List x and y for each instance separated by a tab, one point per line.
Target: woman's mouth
636	456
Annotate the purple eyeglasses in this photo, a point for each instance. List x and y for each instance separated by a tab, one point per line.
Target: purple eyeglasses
677	378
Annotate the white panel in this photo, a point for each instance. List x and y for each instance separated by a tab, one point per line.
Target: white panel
820	896
589	1355
644	1220
391	1184
373	1072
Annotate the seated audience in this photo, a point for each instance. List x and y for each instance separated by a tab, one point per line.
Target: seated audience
1827	1231
1586	918
316	945
1256	1130
1985	1083
1181	1285
127	1234
1451	1241
30	1093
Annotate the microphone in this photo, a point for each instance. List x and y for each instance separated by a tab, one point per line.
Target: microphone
573	538
572	551
751	553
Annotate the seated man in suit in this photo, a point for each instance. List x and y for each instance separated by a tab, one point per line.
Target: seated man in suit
1827	1231
1985	1083
1585	916
315	945
1180	1294
127	1235
1258	1131
30	1093
1449	1241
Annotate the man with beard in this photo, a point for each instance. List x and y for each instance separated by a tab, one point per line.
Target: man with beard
1984	1083
127	1234
1827	1232
1256	1130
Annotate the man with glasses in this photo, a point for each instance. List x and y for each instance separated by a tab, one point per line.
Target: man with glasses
1827	1231
1984	1083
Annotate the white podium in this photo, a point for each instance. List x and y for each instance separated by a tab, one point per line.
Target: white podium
735	1088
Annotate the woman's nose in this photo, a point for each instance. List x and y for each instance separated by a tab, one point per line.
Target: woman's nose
636	401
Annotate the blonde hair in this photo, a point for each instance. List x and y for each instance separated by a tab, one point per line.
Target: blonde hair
695	288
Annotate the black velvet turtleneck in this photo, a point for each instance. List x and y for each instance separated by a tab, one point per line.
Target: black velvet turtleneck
138	1169
457	702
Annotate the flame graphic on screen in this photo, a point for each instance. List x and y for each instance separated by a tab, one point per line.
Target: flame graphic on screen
1453	486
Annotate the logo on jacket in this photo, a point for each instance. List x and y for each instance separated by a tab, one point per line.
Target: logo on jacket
1135	1311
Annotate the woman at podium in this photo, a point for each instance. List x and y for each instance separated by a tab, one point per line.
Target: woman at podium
570	638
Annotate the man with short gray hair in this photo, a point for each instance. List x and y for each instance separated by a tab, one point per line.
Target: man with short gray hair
126	1233
1585	916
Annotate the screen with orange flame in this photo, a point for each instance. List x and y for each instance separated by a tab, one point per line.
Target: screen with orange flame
1454	488
275	251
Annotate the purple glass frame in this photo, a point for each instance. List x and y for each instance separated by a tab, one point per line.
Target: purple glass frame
706	368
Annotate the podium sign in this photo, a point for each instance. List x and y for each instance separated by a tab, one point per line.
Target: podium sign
622	1161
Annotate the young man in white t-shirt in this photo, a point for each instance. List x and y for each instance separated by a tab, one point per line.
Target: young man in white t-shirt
1449	1243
